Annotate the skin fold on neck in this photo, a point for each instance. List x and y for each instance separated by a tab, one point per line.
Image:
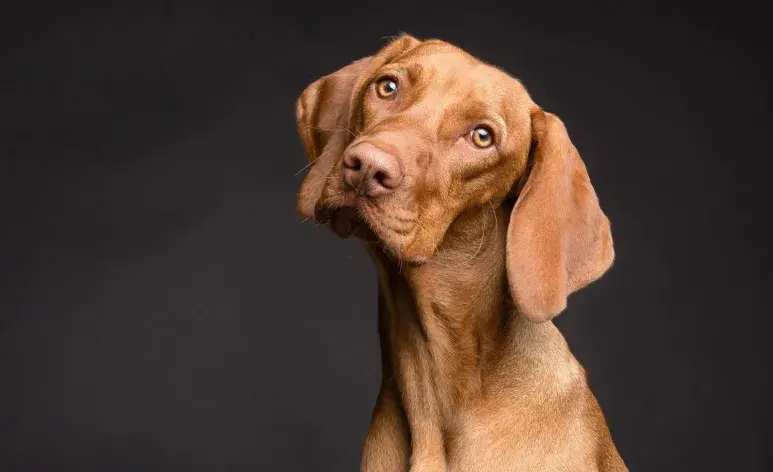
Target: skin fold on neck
443	323
451	341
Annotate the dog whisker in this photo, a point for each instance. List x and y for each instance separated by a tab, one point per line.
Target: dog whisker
420	226
482	236
421	207
337	129
311	162
494	211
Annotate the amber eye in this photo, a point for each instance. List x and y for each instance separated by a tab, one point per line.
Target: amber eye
481	137
385	88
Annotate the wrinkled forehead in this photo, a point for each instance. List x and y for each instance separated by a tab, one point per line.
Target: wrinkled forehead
448	76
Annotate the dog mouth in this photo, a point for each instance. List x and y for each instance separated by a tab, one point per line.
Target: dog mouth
346	222
349	221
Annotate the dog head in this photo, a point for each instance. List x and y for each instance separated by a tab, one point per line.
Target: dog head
403	142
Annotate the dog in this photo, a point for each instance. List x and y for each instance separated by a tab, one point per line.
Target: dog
481	219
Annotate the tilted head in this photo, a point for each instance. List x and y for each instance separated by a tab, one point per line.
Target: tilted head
405	141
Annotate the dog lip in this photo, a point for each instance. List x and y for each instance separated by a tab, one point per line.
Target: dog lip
351	220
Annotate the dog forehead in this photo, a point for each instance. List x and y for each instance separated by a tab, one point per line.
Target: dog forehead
437	60
445	68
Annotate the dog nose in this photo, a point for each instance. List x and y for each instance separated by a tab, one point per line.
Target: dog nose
371	171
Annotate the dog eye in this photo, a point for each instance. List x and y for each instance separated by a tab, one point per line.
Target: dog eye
481	137
385	88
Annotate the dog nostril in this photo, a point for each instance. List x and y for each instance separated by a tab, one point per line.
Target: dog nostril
380	177
352	162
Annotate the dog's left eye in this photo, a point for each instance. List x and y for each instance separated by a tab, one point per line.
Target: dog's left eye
386	87
481	137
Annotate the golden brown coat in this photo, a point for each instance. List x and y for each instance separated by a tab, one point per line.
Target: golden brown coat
476	251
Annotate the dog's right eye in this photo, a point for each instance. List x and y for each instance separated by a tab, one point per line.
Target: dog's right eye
481	137
386	87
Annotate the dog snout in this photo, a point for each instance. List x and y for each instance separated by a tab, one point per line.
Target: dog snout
370	170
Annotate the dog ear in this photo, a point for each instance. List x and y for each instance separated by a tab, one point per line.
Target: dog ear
327	115
558	238
322	114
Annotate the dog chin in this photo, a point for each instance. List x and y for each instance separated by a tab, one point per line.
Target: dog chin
346	222
412	261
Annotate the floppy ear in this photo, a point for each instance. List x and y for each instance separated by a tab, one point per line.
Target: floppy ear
558	239
322	114
327	114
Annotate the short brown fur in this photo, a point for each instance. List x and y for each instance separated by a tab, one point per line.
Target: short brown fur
476	251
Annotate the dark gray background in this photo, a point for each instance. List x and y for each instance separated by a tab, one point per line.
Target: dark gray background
163	307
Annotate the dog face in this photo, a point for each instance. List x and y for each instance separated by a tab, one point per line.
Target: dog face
403	142
433	131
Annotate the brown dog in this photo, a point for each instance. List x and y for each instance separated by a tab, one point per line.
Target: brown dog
481	219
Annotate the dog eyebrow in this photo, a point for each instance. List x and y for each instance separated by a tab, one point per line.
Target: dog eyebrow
473	112
414	72
461	117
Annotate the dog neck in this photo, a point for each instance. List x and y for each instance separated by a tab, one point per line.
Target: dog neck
443	323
